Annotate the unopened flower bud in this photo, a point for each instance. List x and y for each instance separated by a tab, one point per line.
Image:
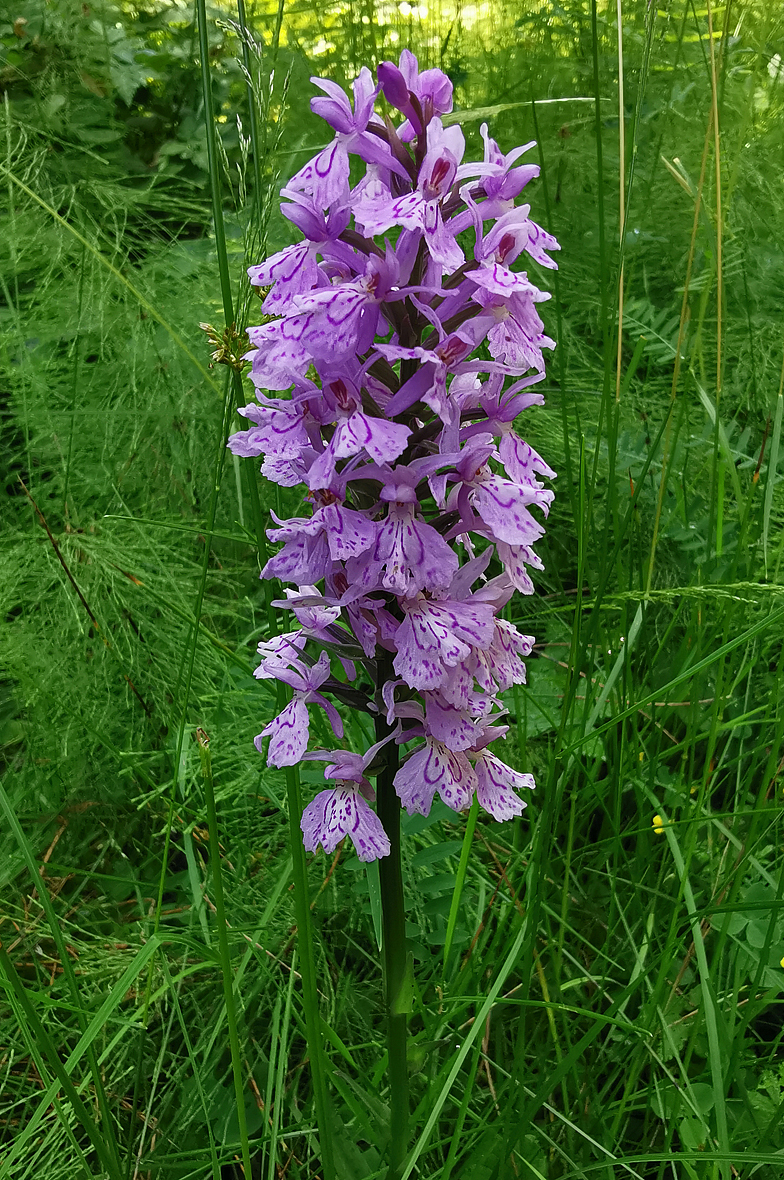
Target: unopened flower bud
393	85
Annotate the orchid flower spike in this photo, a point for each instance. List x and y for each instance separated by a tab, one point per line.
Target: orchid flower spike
389	386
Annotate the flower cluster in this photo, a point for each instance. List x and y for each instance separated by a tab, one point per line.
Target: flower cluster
396	353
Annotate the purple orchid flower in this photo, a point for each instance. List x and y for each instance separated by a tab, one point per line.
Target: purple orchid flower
421	210
344	811
325	178
404	435
289	730
434	767
355	432
497	786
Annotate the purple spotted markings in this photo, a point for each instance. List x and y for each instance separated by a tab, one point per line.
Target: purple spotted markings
403	339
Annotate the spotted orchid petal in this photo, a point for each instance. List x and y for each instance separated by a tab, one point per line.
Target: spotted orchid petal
343	812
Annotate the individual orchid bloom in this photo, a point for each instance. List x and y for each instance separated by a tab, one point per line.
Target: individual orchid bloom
421	210
287	472
279	652
311	544
496	507
500	181
515	559
502	505
437	635
343	812
521	461
501	407
495	184
325	178
355	432
497	786
500	665
342	319
434	767
515	333
510	236
429	383
283	428
314	616
294	270
418	96
318	620
409	555
279	356
288	732
455	727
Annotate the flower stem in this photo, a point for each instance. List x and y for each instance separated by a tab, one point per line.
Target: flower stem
313	1027
396	989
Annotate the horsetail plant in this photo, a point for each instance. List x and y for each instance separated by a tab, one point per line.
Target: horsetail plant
409	347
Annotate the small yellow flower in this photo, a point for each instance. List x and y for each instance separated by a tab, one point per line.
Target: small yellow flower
781	964
658	825
642	756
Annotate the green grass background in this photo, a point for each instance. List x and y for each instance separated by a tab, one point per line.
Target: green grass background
610	1003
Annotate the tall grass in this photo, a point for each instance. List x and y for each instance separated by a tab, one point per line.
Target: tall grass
598	985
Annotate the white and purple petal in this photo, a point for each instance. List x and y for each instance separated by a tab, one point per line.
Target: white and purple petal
433	768
343	812
288	733
497	786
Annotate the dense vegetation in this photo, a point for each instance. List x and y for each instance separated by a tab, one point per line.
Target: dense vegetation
628	929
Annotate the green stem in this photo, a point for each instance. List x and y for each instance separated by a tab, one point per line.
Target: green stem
396	989
308	972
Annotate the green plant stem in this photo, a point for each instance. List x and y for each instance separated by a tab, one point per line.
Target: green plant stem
308	973
396	989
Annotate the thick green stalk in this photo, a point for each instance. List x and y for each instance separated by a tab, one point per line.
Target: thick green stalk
397	991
